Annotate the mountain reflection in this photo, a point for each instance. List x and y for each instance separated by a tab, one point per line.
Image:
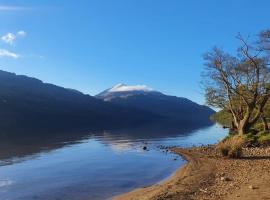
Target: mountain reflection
18	146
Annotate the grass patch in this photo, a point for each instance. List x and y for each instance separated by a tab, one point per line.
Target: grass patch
231	146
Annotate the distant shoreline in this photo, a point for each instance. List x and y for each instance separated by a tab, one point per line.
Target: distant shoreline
208	176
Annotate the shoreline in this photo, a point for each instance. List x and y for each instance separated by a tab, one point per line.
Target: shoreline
209	176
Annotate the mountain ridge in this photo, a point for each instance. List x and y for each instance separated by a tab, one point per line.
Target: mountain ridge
173	107
27	102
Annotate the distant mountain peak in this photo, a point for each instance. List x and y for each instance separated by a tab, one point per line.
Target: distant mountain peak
122	90
168	107
129	88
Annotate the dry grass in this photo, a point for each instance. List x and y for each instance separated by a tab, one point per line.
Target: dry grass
231	146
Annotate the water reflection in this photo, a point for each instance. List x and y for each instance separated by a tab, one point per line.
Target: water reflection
93	164
18	144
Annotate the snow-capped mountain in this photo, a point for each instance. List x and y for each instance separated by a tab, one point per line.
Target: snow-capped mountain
28	104
147	99
123	91
126	88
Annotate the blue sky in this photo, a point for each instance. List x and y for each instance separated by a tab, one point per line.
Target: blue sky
94	44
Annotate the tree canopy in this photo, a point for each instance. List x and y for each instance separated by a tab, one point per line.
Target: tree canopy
240	83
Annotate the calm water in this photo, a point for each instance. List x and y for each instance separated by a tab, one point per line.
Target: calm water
95	165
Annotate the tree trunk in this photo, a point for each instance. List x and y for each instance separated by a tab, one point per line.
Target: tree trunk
265	125
233	126
241	130
242	126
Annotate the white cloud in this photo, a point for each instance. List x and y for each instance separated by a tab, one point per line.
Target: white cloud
9	38
8	54
125	88
21	33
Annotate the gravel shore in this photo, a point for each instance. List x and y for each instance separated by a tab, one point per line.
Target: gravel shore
210	176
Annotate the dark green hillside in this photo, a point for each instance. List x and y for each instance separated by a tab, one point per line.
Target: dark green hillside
29	103
222	117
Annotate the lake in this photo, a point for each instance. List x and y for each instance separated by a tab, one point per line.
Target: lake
93	165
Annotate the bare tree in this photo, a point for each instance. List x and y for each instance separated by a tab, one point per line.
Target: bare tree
264	41
239	84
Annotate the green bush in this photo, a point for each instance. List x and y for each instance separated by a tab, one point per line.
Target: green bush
250	138
264	137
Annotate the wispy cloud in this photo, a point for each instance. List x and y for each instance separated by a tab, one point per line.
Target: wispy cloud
8	54
10	38
21	33
11	8
33	56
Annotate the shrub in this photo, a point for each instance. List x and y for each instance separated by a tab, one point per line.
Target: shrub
224	150
231	146
250	139
263	133
264	137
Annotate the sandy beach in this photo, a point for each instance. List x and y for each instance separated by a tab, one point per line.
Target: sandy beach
210	176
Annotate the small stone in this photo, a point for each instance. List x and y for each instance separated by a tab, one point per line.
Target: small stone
251	187
204	191
223	178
